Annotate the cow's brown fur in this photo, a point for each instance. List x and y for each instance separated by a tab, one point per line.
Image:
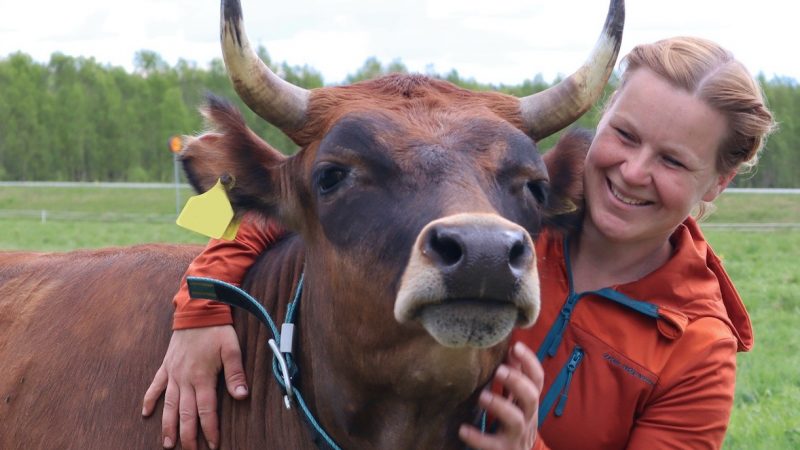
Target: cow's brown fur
402	94
81	333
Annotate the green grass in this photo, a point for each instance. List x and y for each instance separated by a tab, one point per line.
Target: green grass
62	235
763	264
91	199
84	217
756	208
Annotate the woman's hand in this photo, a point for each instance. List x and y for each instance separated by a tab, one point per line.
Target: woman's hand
517	413
189	376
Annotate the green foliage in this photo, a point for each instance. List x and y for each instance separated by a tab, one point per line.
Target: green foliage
780	161
75	119
373	68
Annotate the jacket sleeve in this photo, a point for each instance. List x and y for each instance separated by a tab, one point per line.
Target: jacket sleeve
224	260
692	404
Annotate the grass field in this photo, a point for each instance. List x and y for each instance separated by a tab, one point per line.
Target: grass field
763	264
86	217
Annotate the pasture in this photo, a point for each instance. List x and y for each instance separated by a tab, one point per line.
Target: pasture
763	262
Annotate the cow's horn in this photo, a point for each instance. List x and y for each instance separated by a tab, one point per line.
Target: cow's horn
275	100
546	112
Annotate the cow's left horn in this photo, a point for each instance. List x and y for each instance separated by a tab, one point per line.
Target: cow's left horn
546	112
275	100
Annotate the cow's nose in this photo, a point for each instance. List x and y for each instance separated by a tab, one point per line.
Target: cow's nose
479	259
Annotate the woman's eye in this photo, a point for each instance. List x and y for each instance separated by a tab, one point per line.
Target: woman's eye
673	162
540	190
624	134
330	177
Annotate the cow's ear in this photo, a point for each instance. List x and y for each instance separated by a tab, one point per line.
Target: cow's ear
565	167
233	153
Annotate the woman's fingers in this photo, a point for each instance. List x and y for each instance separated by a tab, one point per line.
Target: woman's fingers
528	363
169	417
207	412
511	417
232	366
522	392
521	380
188	418
477	440
154	392
189	375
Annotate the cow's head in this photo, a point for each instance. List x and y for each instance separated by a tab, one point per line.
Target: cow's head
417	199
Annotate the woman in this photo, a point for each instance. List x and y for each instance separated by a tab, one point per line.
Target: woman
638	336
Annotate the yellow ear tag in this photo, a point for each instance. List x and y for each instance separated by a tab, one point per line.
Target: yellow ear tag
210	214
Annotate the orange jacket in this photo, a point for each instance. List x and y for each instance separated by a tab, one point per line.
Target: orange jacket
653	361
224	260
644	365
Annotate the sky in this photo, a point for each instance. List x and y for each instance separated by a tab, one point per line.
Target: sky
492	41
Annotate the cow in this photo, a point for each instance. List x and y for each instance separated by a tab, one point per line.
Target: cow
411	206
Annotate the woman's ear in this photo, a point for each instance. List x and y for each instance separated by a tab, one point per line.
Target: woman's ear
721	183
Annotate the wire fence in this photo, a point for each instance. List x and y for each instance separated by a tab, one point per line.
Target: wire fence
122	185
45	215
93	184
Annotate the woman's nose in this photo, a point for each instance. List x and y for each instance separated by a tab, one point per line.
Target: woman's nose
636	169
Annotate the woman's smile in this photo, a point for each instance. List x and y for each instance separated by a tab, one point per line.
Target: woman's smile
625	198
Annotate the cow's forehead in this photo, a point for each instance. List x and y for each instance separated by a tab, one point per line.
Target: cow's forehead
429	143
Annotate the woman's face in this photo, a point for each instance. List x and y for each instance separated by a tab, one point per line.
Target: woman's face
652	160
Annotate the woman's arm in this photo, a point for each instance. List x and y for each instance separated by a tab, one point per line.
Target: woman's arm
693	403
224	260
188	375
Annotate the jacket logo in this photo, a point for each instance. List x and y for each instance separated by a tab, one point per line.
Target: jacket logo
628	369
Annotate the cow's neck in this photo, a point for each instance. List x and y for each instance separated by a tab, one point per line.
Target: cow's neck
358	412
372	420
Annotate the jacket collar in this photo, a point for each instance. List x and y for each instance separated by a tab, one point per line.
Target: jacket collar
693	284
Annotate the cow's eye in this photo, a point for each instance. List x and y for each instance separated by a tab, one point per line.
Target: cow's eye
540	190
330	177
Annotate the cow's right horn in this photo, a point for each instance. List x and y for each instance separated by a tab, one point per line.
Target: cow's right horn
546	112
275	100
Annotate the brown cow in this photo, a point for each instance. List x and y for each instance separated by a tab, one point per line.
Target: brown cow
413	203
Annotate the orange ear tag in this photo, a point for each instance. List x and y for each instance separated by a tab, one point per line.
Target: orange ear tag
210	214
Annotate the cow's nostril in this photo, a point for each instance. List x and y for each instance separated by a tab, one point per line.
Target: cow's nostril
446	249
518	255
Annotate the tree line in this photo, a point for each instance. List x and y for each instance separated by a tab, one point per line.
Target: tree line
74	119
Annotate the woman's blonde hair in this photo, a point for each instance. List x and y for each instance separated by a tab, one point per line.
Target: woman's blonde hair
703	68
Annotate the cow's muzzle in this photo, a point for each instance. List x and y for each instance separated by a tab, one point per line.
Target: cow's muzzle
470	279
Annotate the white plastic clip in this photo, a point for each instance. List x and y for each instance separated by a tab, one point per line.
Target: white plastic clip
287	337
287	382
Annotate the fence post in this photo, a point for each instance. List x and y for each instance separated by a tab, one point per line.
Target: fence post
177	188
175	144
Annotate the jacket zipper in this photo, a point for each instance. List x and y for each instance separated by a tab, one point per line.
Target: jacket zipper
553	339
577	356
560	388
549	345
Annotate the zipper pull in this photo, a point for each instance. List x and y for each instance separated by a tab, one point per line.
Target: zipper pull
563	320
577	355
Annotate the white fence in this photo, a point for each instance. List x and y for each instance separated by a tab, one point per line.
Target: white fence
90	184
45	215
106	185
